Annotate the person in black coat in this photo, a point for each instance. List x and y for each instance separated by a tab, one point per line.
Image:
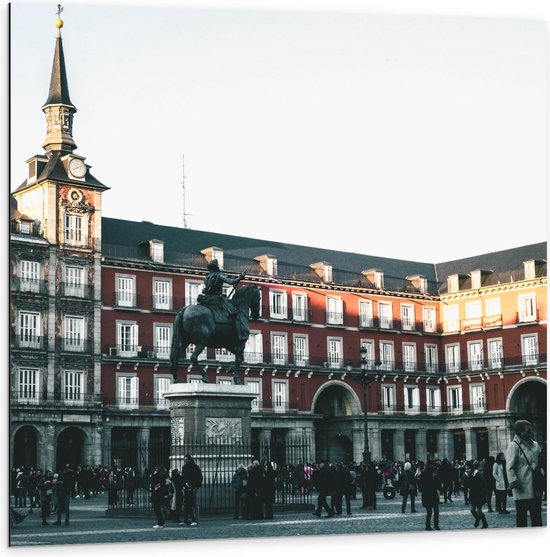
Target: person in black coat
477	490
343	488
488	464
177	486
408	487
268	495
429	483
323	483
159	491
191	476
446	474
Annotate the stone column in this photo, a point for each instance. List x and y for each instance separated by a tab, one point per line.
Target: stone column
399	444
470	442
106	444
143	463
375	444
358	444
445	444
420	447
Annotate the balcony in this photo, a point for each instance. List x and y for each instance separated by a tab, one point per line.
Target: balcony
71	290
30	341
335	318
162	302
31	286
493	321
73	239
125	300
75	345
26	228
22	398
526	318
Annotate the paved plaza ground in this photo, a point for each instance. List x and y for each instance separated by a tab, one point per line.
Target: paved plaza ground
89	525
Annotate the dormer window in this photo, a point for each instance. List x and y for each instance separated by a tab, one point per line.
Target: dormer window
419	282
156	252
268	264
453	284
375	277
529	269
477	278
213	252
323	270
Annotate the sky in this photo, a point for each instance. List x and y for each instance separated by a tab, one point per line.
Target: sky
412	135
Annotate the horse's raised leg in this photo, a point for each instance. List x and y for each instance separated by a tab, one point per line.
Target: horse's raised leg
195	360
239	357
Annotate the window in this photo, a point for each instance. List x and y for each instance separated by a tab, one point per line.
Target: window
378	279
223	355
73	335
255	386
475	356
277	304
495	353
335	311
409	357
253	350
192	290
162	294
492	307
279	351
428	314
529	350
74	281
327	273
452	323
28	385
29	274
127	391
366	318
452	283
454	395
190	349
126	290
430	355
475	277
388	398
367	347
194	379
477	397
433	400
301	351
74	229
157	251
127	335
452	358
29	330
271	266
162	385
473	310
299	306
407	317
385	315
386	355
280	395
527	308
335	359
73	388
223	381
163	340
412	400
529	269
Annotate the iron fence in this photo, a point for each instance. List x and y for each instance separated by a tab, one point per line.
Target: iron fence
132	464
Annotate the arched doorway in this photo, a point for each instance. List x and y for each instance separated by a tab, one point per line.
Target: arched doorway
70	448
339	407
25	447
527	401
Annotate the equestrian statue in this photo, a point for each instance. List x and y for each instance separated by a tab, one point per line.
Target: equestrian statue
215	321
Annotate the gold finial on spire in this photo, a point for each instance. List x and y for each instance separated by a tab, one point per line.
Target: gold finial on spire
59	21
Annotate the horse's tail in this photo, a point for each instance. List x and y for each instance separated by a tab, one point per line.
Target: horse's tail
175	349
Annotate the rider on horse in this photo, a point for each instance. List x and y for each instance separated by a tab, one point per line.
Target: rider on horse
212	296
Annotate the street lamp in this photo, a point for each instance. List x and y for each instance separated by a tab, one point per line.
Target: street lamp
365	379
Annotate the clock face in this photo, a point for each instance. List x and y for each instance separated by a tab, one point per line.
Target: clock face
77	168
74	195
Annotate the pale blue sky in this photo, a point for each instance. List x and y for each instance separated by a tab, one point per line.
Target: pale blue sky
412	136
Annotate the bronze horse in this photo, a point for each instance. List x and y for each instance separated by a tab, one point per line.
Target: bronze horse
196	325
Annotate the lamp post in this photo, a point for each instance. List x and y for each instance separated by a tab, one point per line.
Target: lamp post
364	382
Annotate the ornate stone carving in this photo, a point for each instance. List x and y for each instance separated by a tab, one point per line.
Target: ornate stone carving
177	429
224	428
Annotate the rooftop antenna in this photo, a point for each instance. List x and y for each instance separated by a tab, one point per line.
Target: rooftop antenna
185	225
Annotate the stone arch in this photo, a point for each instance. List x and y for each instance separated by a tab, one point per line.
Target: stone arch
350	397
521	385
71	443
527	400
26	440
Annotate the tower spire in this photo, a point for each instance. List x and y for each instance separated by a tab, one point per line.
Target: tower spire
58	108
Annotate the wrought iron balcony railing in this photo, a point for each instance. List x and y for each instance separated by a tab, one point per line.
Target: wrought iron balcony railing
30	341
33	286
30	397
72	290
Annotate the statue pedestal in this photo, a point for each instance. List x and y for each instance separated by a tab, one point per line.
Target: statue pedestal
212	423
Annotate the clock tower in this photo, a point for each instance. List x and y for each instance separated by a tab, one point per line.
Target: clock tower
56	293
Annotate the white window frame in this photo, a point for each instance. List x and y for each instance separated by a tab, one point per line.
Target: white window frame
530	349
366	313
452	357
162	293
409	356
190	349
253	350
299	306
385	315
279	395
473	310
492	307
431	358
433	400
301	349
475	355
223	355
278	304
408	320
451	318
387	355
477	397
74	386
223	381
74	226
74	333
127	349
370	358
255	385
75	279
495	352
162	335
161	384
335	352
335	310
129	399
29	385
157	251
388	398
455	401
527	307
411	399
126	290
192	291
429	317
453	284
29	328
529	269
279	348
29	275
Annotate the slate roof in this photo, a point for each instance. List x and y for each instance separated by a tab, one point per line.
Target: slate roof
59	85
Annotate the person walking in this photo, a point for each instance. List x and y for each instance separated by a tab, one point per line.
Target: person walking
408	487
45	489
522	460
489	481
238	483
477	491
159	491
176	502
446	474
191	476
322	481
63	495
429	483
501	483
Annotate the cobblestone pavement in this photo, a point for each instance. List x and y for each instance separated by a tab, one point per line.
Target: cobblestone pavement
89	525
